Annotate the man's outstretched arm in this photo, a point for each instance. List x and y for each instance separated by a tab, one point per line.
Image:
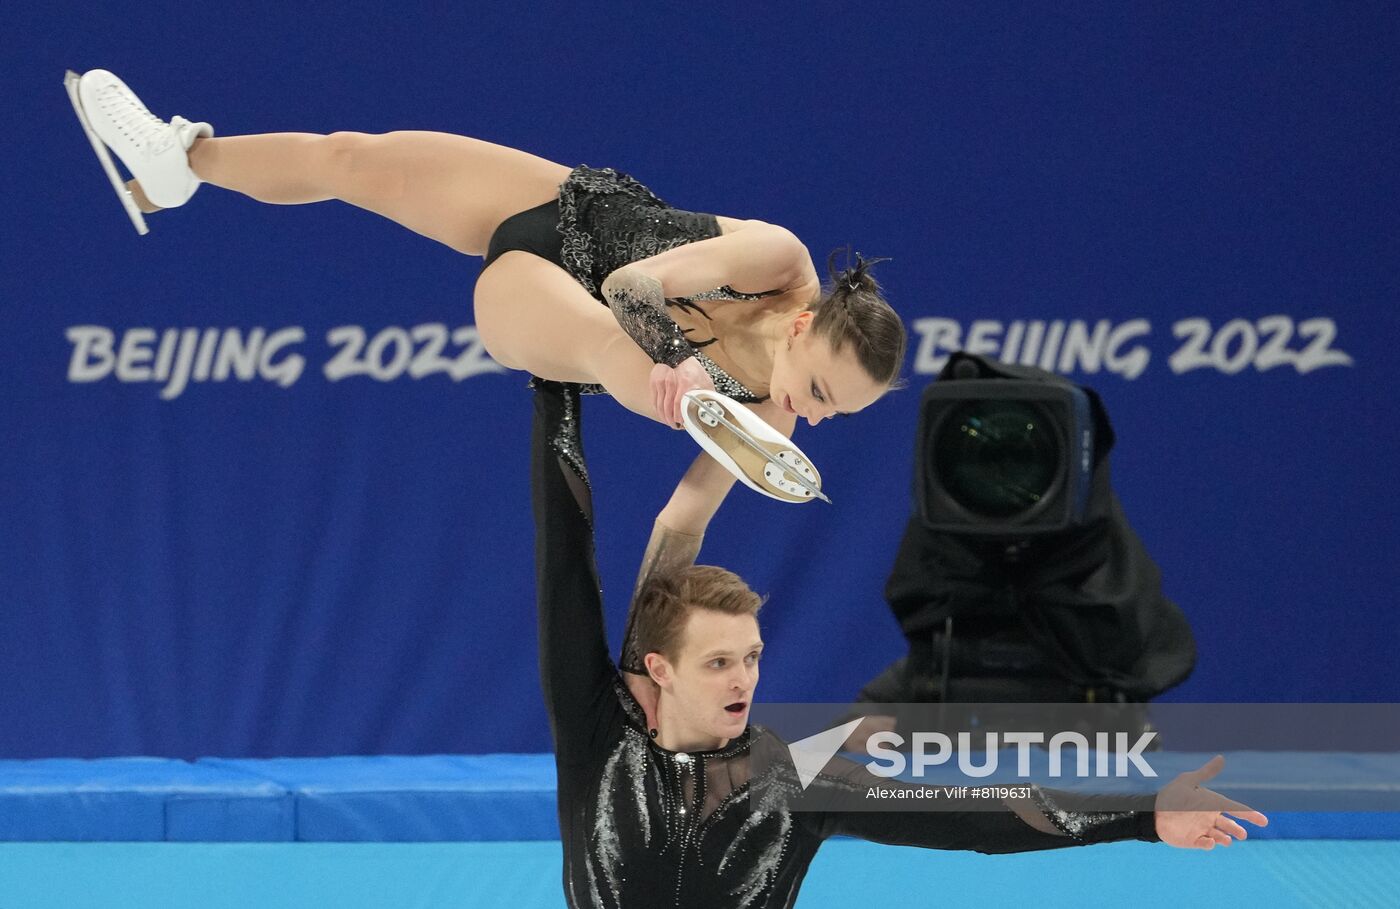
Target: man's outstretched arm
576	673
1183	813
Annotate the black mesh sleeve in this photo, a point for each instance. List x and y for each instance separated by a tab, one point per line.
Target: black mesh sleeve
576	673
1036	819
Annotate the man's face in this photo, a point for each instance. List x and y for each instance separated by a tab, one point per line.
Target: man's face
713	677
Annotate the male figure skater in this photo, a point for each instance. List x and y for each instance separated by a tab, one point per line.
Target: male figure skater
691	809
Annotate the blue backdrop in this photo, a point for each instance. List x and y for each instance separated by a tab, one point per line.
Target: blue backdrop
1190	207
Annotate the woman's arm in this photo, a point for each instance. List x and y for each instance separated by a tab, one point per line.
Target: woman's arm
675	542
756	258
667	550
702	490
677	536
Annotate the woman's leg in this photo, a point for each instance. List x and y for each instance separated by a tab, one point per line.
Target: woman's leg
453	189
532	315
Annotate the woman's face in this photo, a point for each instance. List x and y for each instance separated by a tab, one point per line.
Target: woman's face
711	682
815	383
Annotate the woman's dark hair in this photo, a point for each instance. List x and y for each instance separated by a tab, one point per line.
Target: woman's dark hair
854	312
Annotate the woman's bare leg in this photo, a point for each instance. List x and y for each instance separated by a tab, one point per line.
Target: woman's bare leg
532	315
453	189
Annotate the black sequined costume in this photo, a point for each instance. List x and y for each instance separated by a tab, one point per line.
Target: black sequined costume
647	827
604	220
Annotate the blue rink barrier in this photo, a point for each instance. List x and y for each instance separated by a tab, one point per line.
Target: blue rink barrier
140	799
447	798
435	798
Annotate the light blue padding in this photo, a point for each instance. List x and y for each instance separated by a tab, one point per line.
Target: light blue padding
1280	875
138	799
433	798
460	798
277	875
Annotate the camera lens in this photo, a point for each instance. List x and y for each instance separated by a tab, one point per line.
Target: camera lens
997	459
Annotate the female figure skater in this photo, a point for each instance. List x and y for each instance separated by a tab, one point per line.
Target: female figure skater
694	301
687	806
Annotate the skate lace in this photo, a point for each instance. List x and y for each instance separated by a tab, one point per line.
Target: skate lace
130	116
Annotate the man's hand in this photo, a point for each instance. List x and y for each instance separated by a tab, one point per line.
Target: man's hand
668	387
1192	817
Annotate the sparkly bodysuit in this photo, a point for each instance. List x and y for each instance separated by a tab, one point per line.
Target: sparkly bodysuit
604	220
647	827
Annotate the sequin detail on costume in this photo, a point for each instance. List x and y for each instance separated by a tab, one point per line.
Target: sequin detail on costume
649	814
759	845
636	301
565	438
720	293
608	220
726	384
1077	824
606	854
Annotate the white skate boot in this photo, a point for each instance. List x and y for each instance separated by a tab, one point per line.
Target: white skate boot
153	150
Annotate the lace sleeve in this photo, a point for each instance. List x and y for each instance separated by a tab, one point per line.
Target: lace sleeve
638	304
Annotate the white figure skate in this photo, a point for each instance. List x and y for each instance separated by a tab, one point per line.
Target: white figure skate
153	150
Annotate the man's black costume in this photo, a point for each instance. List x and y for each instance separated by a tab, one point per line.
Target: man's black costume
648	828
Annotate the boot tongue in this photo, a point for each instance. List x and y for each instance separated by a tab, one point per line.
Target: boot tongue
188	132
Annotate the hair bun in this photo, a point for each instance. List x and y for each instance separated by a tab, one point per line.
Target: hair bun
855	276
853	312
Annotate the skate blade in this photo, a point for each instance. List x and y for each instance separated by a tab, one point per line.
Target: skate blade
70	82
755	457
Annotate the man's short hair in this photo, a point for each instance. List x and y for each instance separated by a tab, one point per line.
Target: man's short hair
663	604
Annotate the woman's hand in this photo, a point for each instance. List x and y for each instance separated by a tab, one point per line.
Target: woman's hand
1192	817
669	385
